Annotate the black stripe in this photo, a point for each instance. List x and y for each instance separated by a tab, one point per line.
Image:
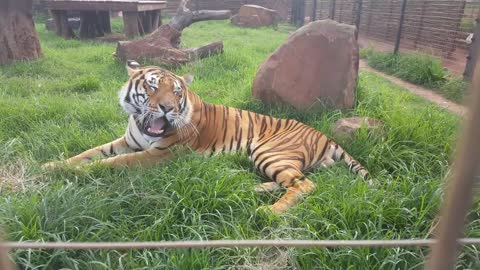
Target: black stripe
133	138
239	141
231	143
111	150
127	97
324	148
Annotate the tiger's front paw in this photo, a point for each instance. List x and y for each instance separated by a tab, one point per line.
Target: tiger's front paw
270	209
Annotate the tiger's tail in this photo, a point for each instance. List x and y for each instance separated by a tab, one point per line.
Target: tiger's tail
353	165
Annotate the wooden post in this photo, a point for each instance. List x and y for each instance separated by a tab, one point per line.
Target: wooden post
293	12
91	24
298	12
301	13
88	24
141	29
130	23
460	187
156	20
400	27
314	11
340	12
357	17
146	22
332	9
473	53
61	24
5	263
105	21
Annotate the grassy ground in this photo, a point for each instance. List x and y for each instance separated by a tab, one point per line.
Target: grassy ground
67	102
421	69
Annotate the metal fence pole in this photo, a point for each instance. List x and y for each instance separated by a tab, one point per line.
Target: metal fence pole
314	12
332	10
458	200
473	52
5	263
400	27
358	16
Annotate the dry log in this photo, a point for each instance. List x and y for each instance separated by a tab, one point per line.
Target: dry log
162	45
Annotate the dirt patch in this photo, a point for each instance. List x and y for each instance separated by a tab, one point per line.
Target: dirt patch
419	91
15	176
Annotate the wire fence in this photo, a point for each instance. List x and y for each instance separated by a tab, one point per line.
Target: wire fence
230	244
443	28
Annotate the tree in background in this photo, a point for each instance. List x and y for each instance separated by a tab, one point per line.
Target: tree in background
18	39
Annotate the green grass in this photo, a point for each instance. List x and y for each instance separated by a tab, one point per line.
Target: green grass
66	102
420	69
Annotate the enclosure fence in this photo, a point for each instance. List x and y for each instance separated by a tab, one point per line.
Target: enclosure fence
443	28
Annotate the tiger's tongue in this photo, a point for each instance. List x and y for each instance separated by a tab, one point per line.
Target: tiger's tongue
158	124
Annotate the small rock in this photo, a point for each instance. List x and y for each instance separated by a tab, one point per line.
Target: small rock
254	16
348	126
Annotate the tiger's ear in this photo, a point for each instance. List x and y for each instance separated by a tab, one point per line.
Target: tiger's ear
132	65
188	78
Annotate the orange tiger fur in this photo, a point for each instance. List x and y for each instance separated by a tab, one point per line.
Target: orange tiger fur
281	149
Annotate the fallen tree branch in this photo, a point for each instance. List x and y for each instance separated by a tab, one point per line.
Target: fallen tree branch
162	45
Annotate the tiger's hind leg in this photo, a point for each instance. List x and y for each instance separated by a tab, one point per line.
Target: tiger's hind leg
297	186
267	187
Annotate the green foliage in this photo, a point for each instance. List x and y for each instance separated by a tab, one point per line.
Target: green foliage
417	68
421	69
67	102
86	84
467	24
455	89
366	52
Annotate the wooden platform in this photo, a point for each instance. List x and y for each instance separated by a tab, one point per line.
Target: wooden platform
139	16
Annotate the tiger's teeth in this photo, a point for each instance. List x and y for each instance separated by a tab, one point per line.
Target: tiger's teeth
155	131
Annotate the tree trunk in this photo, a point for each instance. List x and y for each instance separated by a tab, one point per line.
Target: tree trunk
162	45
18	39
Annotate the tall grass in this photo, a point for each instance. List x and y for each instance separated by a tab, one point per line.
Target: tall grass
67	102
418	68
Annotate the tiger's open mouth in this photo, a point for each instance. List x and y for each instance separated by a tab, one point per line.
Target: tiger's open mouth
156	127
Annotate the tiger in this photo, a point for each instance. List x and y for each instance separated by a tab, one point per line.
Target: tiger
164	112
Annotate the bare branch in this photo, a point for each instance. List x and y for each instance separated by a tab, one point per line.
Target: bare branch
203	15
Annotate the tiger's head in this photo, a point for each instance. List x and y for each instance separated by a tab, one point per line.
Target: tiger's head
157	98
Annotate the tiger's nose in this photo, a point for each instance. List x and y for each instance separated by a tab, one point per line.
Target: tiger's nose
165	109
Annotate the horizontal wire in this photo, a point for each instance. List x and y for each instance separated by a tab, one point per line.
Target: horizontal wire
229	243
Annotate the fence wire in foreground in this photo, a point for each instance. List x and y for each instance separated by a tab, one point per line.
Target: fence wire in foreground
230	243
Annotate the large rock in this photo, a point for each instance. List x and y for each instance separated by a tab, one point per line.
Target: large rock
317	66
254	16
